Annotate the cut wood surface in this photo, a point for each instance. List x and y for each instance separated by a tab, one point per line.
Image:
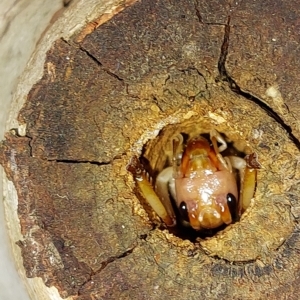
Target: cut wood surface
160	67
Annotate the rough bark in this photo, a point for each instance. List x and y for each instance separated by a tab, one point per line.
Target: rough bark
168	66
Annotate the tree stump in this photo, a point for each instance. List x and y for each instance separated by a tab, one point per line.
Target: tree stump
124	88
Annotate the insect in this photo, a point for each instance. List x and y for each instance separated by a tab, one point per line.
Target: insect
202	182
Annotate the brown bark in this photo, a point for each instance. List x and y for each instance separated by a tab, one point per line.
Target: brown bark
172	66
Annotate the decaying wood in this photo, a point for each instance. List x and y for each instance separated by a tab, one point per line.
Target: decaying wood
169	66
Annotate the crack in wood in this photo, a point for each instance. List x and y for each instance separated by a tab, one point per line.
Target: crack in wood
100	64
72	161
225	77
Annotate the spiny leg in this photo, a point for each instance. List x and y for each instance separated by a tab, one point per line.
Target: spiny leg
248	181
250	178
249	185
136	168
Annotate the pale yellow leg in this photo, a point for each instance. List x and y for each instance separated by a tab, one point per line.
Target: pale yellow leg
154	201
148	192
248	181
248	187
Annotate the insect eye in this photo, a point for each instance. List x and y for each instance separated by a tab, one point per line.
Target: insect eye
184	211
232	204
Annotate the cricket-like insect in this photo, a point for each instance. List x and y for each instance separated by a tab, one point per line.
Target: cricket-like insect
202	182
